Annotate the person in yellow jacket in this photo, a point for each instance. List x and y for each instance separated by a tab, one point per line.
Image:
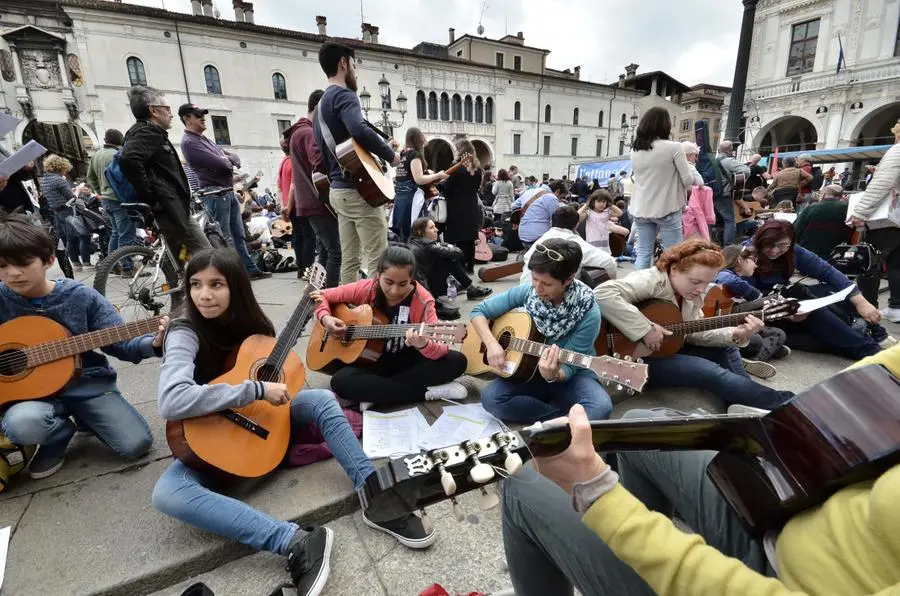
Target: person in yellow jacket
612	538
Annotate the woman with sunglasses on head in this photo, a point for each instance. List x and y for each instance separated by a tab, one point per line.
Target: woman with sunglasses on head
565	313
778	258
710	360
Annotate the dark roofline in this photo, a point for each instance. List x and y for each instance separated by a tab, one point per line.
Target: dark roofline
709	86
504	43
656	73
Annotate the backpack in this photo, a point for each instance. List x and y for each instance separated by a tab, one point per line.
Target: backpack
118	182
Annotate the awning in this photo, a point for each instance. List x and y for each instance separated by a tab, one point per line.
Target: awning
602	170
839	155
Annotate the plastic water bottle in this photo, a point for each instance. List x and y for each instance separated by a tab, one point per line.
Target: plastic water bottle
452	290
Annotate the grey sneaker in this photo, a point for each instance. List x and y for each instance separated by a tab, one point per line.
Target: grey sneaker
309	560
407	530
47	461
763	370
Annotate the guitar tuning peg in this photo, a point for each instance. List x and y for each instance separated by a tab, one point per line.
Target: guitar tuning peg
618	387
488	500
627	359
630	392
458	512
481	473
616	355
640	361
426	522
512	463
447	481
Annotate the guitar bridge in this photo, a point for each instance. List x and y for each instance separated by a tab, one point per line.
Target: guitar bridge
245	423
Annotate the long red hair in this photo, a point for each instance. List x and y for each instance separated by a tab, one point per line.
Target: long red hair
768	235
695	251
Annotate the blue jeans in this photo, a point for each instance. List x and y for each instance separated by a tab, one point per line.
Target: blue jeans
717	370
669	230
724	208
549	549
226	210
185	494
77	247
401	220
537	400
46	423
122	229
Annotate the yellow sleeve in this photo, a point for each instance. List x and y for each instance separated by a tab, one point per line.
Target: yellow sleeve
889	358
672	562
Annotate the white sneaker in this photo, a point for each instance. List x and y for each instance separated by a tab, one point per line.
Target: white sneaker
887	342
891	314
763	370
451	390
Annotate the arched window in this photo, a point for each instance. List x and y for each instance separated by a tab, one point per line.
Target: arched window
600	119
456	111
517	110
420	105
432	106
479	110
547	113
445	106
213	84
468	108
575	116
489	110
279	86
136	74
624	119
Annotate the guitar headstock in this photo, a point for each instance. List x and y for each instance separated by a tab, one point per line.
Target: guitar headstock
466	159
414	481
317	275
778	307
623	372
445	333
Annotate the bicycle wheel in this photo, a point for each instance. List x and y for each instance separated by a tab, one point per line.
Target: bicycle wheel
152	288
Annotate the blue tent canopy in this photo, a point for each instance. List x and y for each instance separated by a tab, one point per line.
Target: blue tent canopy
839	155
602	170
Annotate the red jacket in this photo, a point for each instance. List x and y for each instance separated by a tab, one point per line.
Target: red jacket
421	310
305	158
285	179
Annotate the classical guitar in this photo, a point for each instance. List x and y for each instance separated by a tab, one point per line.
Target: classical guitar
465	161
281	228
250	441
483	252
38	356
668	316
369	172
518	335
768	468
367	331
718	301
495	272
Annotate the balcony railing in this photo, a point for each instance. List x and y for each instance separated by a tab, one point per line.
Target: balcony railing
457	127
830	80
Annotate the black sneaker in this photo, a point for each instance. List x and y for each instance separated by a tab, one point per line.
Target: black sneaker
47	461
309	560
407	530
260	275
783	352
474	292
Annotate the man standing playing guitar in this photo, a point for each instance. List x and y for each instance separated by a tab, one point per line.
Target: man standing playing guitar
363	228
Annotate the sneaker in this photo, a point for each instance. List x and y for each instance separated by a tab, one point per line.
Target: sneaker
763	370
474	292
46	461
783	352
891	314
309	560
887	342
407	530
452	390
260	275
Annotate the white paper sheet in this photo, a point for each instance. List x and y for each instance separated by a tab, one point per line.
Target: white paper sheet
791	217
8	123
394	433
4	549
459	423
18	160
807	306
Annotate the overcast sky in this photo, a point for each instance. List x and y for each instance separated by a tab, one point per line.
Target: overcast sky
694	41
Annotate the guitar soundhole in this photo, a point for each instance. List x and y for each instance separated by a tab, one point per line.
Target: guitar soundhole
13	362
268	374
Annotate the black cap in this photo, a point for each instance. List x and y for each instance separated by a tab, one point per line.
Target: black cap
190	108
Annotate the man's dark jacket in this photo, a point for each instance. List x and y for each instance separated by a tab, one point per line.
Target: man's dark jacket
149	161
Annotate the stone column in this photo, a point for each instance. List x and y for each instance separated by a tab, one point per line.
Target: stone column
738	87
16	66
63	68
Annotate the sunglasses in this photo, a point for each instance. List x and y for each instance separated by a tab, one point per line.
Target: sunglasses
552	254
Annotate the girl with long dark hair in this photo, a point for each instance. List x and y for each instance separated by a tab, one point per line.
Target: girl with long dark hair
409	177
778	258
221	312
410	370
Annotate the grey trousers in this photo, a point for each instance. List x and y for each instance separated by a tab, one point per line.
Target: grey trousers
549	550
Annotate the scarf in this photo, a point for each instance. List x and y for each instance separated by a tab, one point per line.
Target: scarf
556	321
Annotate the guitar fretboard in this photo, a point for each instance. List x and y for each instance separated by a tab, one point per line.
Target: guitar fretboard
720	322
533	348
63	348
359	332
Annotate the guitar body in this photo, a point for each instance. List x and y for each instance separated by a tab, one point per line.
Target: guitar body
483	252
368	173
617	244
611	341
331	353
519	367
754	206
218	443
20	383
718	301
495	272
281	228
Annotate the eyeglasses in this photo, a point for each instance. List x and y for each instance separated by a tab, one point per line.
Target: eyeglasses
552	254
162	107
749	257
782	245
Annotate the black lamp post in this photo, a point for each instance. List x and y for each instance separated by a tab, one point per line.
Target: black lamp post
384	89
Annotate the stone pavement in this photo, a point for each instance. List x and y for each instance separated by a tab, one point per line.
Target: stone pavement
89	529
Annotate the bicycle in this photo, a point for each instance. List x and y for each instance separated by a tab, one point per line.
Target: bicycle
153	275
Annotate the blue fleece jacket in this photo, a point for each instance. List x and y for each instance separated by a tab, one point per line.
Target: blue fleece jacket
80	309
807	264
736	285
580	339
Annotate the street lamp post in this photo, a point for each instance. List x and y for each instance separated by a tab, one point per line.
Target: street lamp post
384	89
624	135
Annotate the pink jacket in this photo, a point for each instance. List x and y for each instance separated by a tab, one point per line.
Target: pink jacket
421	310
699	214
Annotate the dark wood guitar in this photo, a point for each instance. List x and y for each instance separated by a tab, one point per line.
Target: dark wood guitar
363	342
839	432
518	335
667	315
465	161
38	356
368	171
250	441
495	272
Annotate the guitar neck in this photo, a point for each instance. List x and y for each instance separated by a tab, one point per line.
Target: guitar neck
287	339
366	332
452	169
710	323
534	348
64	348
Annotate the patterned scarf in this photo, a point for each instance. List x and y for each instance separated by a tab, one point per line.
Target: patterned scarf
556	321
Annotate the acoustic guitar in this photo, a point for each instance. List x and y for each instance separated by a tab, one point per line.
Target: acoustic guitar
367	331
38	356
495	272
465	161
368	171
281	228
518	336
483	252
250	441
668	316
718	301
768	468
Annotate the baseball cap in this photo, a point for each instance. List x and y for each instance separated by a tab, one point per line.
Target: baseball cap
190	108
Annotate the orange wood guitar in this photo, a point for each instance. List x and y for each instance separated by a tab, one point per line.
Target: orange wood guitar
718	301
465	160
363	342
251	441
38	356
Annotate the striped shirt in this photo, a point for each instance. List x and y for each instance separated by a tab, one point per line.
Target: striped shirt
193	181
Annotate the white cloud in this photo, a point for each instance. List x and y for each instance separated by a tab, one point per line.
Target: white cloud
692	40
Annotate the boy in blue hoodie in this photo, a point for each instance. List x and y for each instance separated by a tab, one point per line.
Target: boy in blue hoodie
93	399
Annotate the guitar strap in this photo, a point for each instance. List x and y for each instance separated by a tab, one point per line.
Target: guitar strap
329	139
536	196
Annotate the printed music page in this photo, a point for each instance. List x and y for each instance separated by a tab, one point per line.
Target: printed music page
457	424
395	433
